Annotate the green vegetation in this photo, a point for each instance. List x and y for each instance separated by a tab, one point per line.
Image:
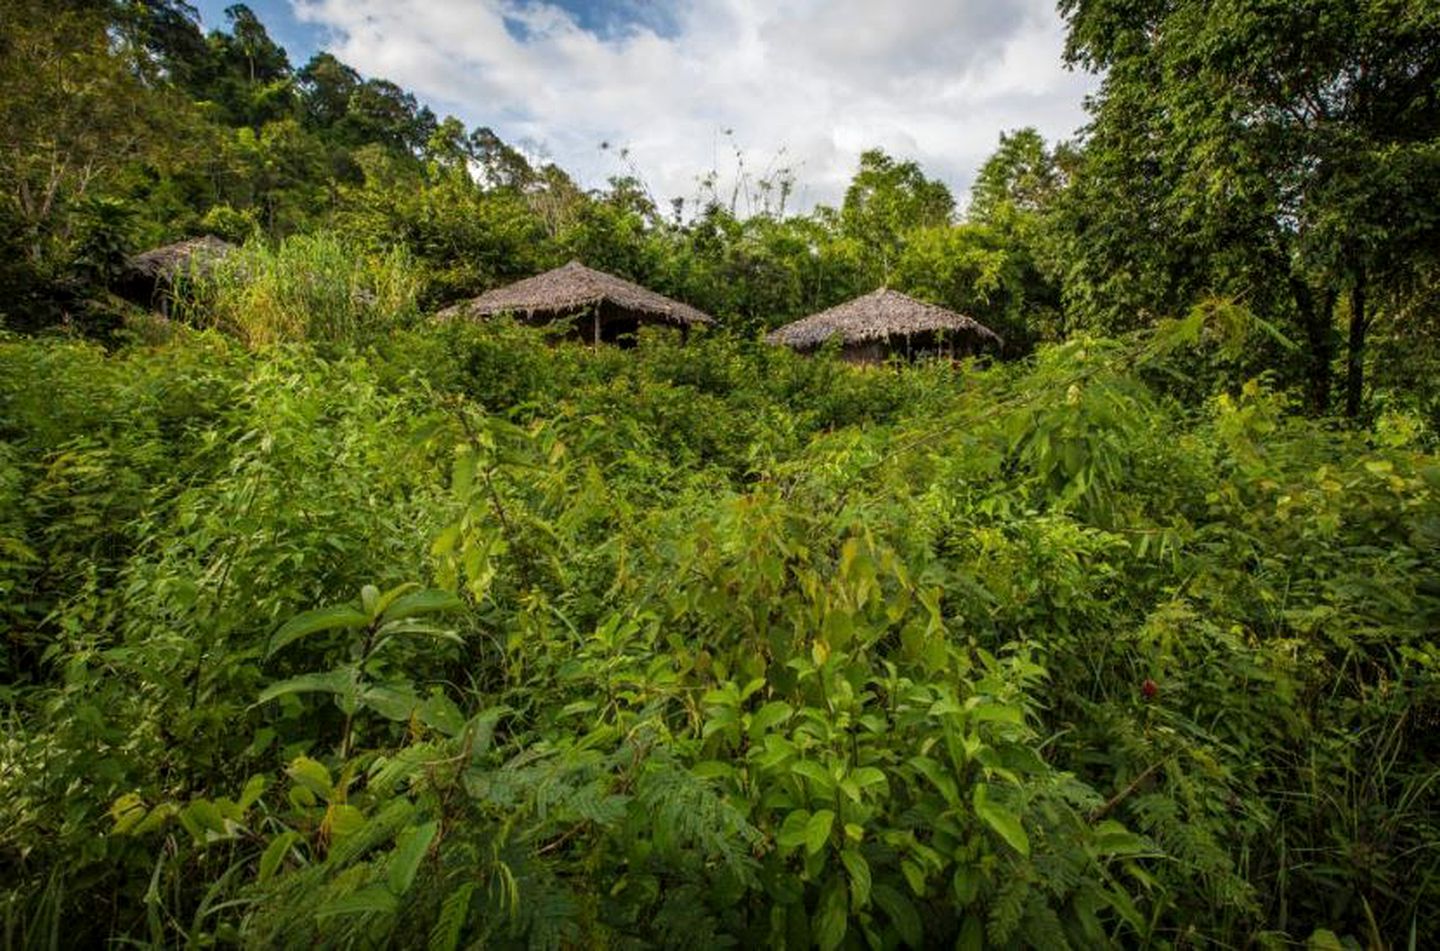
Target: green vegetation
463	637
326	624
315	287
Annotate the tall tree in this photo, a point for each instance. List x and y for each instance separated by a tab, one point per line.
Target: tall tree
73	111
1023	175
326	85
1013	210
1247	144
166	36
249	43
380	111
248	74
888	199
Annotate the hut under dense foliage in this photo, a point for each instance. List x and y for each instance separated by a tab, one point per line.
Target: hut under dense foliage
606	309
885	323
149	279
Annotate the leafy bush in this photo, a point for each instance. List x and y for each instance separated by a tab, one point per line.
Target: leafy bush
467	638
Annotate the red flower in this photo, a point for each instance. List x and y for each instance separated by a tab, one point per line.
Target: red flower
1149	689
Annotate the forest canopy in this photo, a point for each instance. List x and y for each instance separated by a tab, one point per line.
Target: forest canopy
1282	160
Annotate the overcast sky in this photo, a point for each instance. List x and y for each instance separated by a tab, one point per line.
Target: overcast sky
804	83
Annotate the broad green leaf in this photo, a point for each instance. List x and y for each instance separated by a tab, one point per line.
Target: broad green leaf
274	854
370	601
1002	820
902	914
480	729
342	820
914	875
383	603
158	816
1322	939
938	777
410	848
726	696
440	713
999	712
772	714
859	872
793	830
254	786
338	682
972	935
578	708
462	473
867	776
204	813
411	627
966	883
393	702
751	687
342	616
1112	838
126	812
310	775
444	542
945	707
813	771
712	769
817	830
830	917
416	603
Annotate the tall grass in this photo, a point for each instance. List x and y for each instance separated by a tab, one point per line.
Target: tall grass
317	287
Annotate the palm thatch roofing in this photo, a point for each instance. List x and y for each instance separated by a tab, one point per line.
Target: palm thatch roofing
572	288
878	316
163	264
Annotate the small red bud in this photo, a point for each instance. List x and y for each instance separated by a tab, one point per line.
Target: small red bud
1149	688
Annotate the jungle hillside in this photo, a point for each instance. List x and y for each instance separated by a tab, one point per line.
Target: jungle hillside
328	622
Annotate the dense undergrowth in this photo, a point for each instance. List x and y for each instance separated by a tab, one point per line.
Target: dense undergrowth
460	638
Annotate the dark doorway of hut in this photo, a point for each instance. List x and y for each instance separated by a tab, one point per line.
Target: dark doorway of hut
910	349
613	326
934	346
607	324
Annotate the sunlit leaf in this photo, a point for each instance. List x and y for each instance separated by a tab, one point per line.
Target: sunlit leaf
410	847
1001	820
339	617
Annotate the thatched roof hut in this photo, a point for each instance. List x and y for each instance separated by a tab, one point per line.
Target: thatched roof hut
149	278
885	322
615	307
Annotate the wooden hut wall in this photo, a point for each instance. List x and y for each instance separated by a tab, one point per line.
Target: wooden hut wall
865	351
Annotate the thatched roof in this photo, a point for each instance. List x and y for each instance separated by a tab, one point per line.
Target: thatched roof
571	288
879	315
165	263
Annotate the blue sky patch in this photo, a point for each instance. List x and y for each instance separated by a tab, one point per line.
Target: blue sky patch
609	19
301	40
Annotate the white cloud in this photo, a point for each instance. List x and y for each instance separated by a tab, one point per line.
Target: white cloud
933	80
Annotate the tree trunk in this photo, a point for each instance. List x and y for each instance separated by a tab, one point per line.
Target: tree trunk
1317	318
1355	353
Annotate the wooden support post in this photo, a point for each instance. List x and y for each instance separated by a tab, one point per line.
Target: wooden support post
596	318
